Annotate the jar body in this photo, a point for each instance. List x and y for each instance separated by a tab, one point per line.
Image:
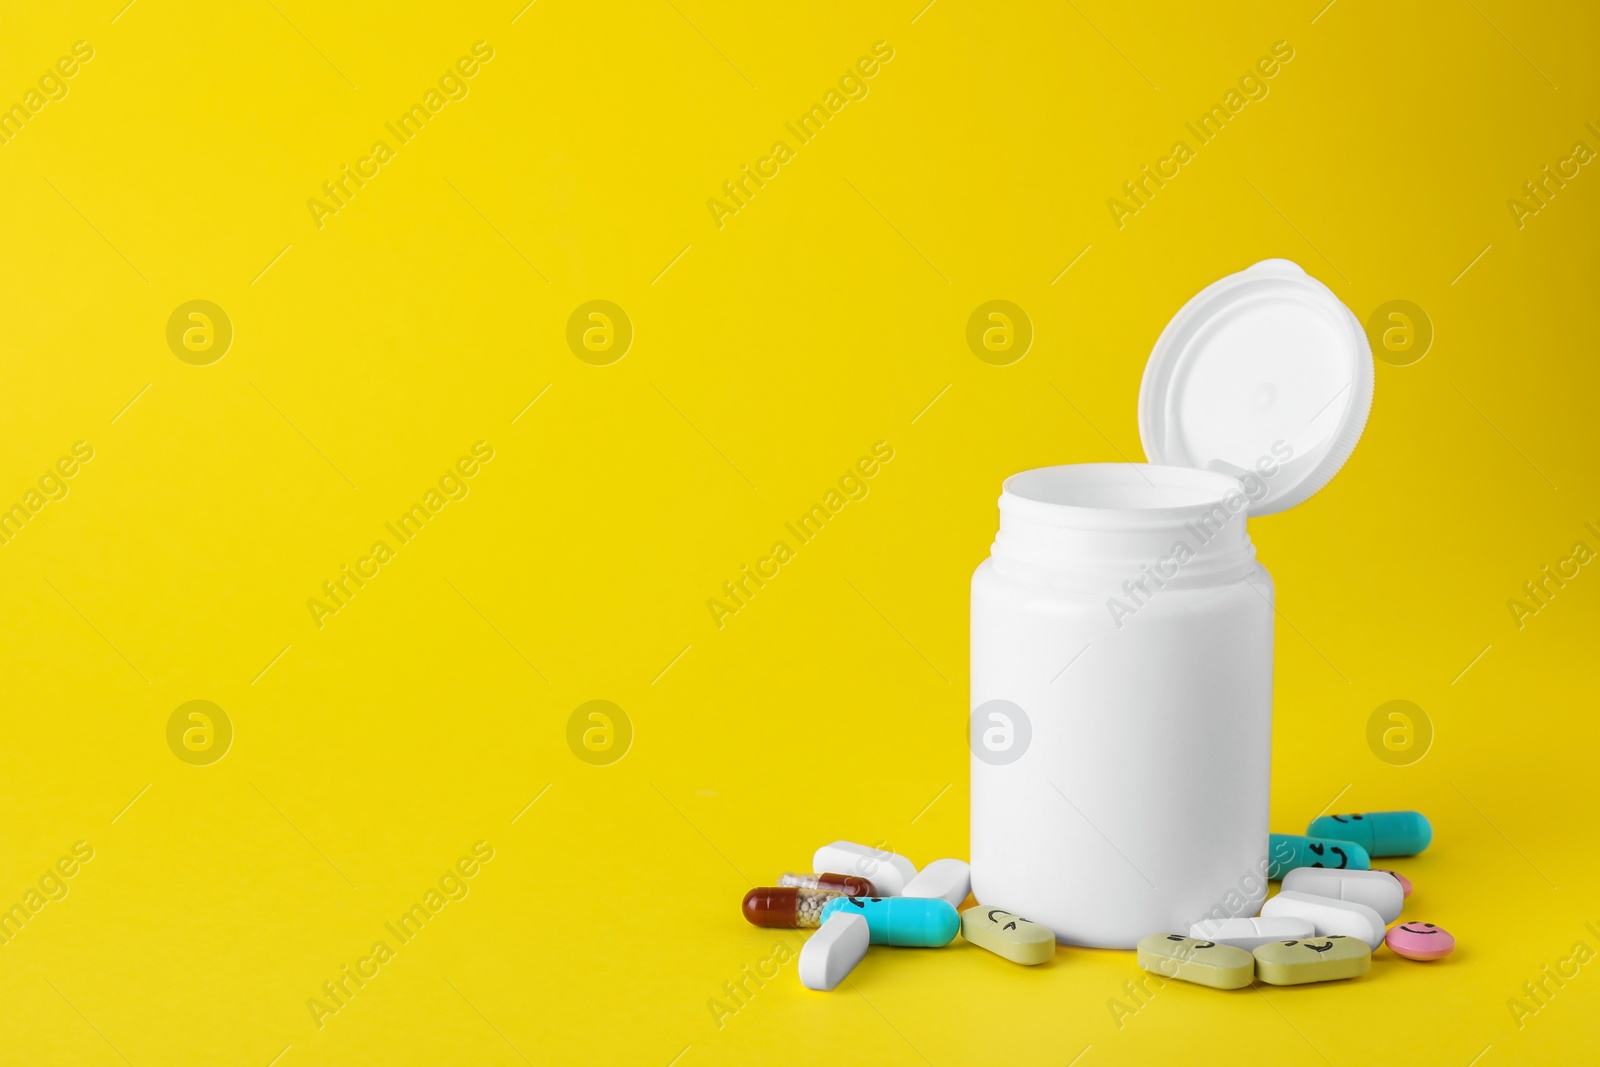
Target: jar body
1139	803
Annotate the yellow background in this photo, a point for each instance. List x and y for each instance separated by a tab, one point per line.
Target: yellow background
768	356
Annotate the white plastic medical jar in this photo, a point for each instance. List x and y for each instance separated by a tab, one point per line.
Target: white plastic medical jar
1121	716
1122	703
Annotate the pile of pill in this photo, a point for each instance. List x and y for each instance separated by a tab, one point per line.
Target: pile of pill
1332	911
1331	914
886	901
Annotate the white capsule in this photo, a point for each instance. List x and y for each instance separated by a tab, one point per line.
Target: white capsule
833	951
1378	890
1248	933
887	872
1329	916
949	880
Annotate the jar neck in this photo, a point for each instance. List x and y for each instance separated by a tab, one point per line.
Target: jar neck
1200	541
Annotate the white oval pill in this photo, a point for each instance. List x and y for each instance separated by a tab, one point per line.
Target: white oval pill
1378	890
887	872
833	951
949	880
1249	933
1328	916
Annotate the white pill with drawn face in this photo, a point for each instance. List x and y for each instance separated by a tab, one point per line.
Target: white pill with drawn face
1328	916
1249	933
949	880
887	872
833	951
1378	890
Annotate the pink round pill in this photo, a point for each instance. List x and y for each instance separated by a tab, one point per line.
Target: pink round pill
1405	883
1420	941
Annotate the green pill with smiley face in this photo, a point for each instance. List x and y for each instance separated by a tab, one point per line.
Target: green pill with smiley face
1008	935
1285	852
1314	959
910	922
1194	960
1381	833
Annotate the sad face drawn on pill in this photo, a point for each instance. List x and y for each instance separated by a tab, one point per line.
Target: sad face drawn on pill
1320	850
1012	925
861	902
1419	928
1347	818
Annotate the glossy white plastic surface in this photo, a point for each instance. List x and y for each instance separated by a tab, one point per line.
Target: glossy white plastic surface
1120	721
1138	802
1268	357
1329	916
831	953
1246	933
1378	890
887	872
949	880
1120	717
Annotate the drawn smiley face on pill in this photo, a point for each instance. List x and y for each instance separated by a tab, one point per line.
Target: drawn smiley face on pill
862	902
1420	941
1347	818
994	915
1323	850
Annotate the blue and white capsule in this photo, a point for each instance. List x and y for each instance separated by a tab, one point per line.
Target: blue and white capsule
1381	833
1285	852
910	922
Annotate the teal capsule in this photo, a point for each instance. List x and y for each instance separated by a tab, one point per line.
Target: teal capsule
916	922
1285	852
1381	833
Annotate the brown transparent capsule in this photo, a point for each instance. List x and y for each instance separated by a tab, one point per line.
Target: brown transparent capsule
786	906
835	883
